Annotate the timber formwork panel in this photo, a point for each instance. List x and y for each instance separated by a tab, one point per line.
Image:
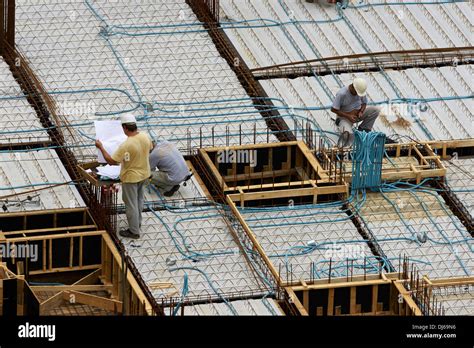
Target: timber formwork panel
95	282
268	174
382	294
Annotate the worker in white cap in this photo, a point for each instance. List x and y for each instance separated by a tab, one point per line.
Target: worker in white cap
133	156
350	105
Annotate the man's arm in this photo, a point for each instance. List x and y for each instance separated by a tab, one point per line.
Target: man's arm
361	110
106	155
337	106
349	116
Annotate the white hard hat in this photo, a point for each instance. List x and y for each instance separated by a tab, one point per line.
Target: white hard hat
360	85
128	118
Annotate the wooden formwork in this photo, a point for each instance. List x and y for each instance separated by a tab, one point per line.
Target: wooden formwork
411	161
107	285
381	294
81	261
285	170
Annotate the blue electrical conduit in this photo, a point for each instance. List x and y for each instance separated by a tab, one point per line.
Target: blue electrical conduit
229	305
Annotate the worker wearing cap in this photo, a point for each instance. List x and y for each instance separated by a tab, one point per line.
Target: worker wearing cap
133	156
350	105
172	168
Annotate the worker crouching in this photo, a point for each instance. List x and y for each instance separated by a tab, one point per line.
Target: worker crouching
350	106
171	165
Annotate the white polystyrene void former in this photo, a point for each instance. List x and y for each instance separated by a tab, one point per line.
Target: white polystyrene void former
194	241
96	64
420	225
24	172
286	31
297	236
19	123
460	179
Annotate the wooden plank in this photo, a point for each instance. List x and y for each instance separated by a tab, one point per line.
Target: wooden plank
50	303
306	300
199	180
312	160
294	299
57	299
352	303
251	146
79	287
375	294
41	212
81	246
310	191
130	278
331	301
41	230
71	252
64	269
56	236
94	301
50	253
407	299
270	186
341	284
20	291
259	175
212	168
44	255
254	240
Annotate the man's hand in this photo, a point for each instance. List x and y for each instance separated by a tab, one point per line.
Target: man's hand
98	144
352	116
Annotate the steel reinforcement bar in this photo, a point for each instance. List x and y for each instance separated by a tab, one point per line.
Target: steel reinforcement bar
367	62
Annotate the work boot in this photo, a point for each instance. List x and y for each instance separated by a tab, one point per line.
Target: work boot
172	191
129	234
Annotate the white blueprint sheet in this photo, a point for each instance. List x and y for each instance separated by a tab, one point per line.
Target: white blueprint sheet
111	134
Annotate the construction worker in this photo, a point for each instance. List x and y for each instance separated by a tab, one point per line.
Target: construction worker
350	105
133	156
172	168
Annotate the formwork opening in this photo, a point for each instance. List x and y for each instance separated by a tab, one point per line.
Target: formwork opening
73	270
369	295
268	174
47	219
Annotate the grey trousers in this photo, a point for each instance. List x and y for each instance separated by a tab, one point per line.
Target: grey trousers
161	180
368	118
132	195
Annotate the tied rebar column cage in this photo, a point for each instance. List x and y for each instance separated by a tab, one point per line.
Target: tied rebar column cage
7	23
212	6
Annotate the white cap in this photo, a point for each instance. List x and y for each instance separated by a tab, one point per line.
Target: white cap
360	85
128	118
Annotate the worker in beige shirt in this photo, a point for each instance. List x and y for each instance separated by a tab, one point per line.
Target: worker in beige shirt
133	156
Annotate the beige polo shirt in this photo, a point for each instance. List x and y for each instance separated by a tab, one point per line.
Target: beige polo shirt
133	155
